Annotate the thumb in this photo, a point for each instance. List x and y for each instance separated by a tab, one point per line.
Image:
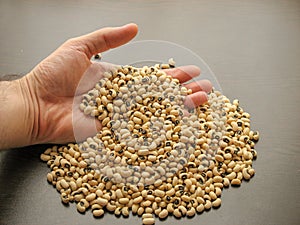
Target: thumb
103	39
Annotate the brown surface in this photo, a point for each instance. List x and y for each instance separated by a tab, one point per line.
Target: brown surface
253	47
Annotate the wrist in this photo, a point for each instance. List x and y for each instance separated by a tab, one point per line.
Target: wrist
16	114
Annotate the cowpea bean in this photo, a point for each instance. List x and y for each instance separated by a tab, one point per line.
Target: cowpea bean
125	211
148	221
160	160
138	200
207	204
212	195
159	193
45	157
140	211
177	213
163	214
124	201
64	198
50	177
239	176
135	208
231	176
147	215
80	208
218	191
237	168
118	211
218	179
146	203
200	208
251	171
219	158
64	184
102	201
90	197
216	203
98	212
226	182
191	212
236	182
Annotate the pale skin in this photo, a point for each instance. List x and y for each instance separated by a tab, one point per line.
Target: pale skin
41	107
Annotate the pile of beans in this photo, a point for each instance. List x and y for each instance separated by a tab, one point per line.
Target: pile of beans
153	156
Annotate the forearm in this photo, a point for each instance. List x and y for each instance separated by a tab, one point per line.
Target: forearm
16	116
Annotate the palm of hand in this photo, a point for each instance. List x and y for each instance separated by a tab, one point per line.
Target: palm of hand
57	83
60	80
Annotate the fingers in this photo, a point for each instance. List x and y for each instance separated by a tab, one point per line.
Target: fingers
195	99
200	85
183	73
104	39
199	88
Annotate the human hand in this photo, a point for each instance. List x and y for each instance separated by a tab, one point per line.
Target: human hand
54	81
51	92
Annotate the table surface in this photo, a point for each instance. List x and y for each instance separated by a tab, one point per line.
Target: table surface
253	47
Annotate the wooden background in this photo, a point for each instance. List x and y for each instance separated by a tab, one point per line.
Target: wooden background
253	47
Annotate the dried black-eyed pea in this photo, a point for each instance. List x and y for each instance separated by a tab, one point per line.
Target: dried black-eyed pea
191	212
218	191
185	198
182	210
246	174
50	177
125	211
124	201
251	171
207	204
239	175
80	208
90	197
135	208
45	157
148	221
231	176
147	215
146	203
177	213
118	211
219	158
58	186
216	203
64	198
213	195
140	211
169	208
163	214
218	179
98	212
231	164
237	168
200	208
236	182
64	184
102	201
